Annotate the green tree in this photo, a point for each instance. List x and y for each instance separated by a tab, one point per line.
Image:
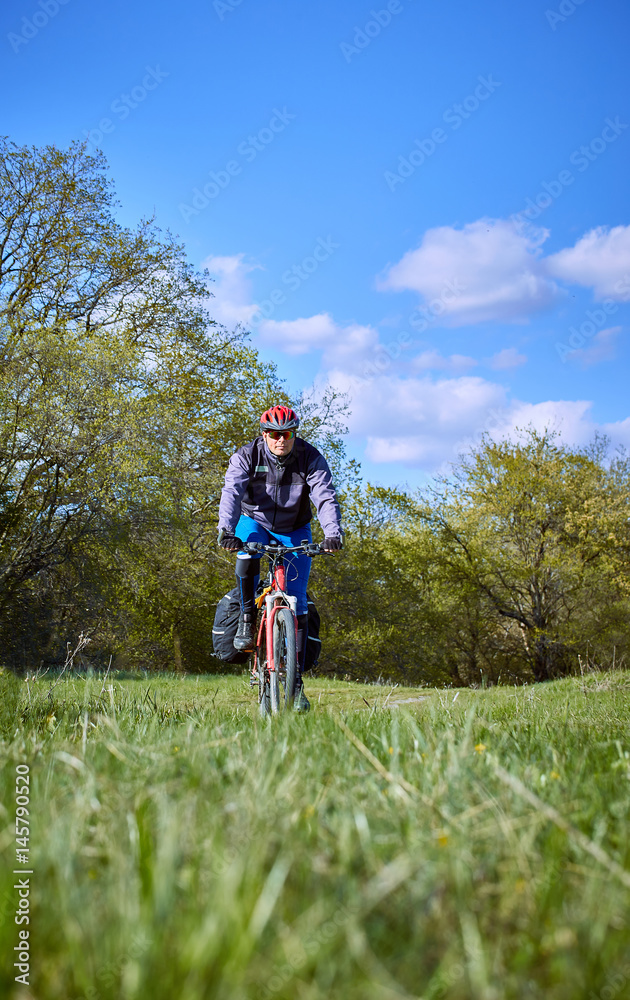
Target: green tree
64	447
370	596
168	575
523	532
121	403
65	260
85	307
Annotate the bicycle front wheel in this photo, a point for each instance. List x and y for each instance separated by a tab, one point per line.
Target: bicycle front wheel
274	692
285	654
264	687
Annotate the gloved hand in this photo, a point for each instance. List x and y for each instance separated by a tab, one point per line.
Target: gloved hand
228	540
332	544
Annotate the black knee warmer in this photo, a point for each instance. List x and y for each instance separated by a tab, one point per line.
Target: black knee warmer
247	570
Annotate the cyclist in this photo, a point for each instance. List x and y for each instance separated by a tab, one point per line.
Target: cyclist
269	486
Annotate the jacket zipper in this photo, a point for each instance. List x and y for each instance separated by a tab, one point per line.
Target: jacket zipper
275	498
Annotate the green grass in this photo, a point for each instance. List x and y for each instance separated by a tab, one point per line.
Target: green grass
472	844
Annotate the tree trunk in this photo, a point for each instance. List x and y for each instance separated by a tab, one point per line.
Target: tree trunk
177	653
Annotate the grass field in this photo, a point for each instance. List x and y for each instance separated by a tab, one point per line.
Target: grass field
467	844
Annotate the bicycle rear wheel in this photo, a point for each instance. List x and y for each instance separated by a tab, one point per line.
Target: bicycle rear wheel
285	654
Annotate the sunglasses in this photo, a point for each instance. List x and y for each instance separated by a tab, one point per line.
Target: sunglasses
275	435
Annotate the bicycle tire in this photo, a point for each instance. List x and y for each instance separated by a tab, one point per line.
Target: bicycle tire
285	653
264	692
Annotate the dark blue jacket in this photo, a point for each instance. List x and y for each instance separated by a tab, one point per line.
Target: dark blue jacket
277	494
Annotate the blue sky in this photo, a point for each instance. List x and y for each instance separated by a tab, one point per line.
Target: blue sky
355	176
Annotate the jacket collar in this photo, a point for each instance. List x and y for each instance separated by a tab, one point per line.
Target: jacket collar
280	463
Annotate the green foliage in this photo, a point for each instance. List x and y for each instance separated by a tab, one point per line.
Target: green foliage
10	692
121	402
468	846
369	602
514	568
523	538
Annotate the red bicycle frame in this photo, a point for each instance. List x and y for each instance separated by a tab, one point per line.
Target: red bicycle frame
268	672
271	602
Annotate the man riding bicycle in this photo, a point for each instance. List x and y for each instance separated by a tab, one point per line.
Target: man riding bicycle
269	486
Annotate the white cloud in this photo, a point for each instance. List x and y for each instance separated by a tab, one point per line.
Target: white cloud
485	271
489	271
349	347
509	357
602	348
232	302
434	361
426	422
298	336
419	421
344	346
599	260
619	432
403	412
571	418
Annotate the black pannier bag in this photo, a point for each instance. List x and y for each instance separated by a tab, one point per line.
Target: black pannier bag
224	629
313	642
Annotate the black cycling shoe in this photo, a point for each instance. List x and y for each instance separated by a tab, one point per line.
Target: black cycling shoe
300	701
245	638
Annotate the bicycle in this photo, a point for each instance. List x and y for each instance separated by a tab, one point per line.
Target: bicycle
275	657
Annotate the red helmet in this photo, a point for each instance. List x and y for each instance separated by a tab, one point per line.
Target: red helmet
279	418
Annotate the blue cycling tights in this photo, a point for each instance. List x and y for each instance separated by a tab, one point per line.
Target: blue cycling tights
297	565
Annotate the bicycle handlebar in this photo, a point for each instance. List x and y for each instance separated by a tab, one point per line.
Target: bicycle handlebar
308	548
